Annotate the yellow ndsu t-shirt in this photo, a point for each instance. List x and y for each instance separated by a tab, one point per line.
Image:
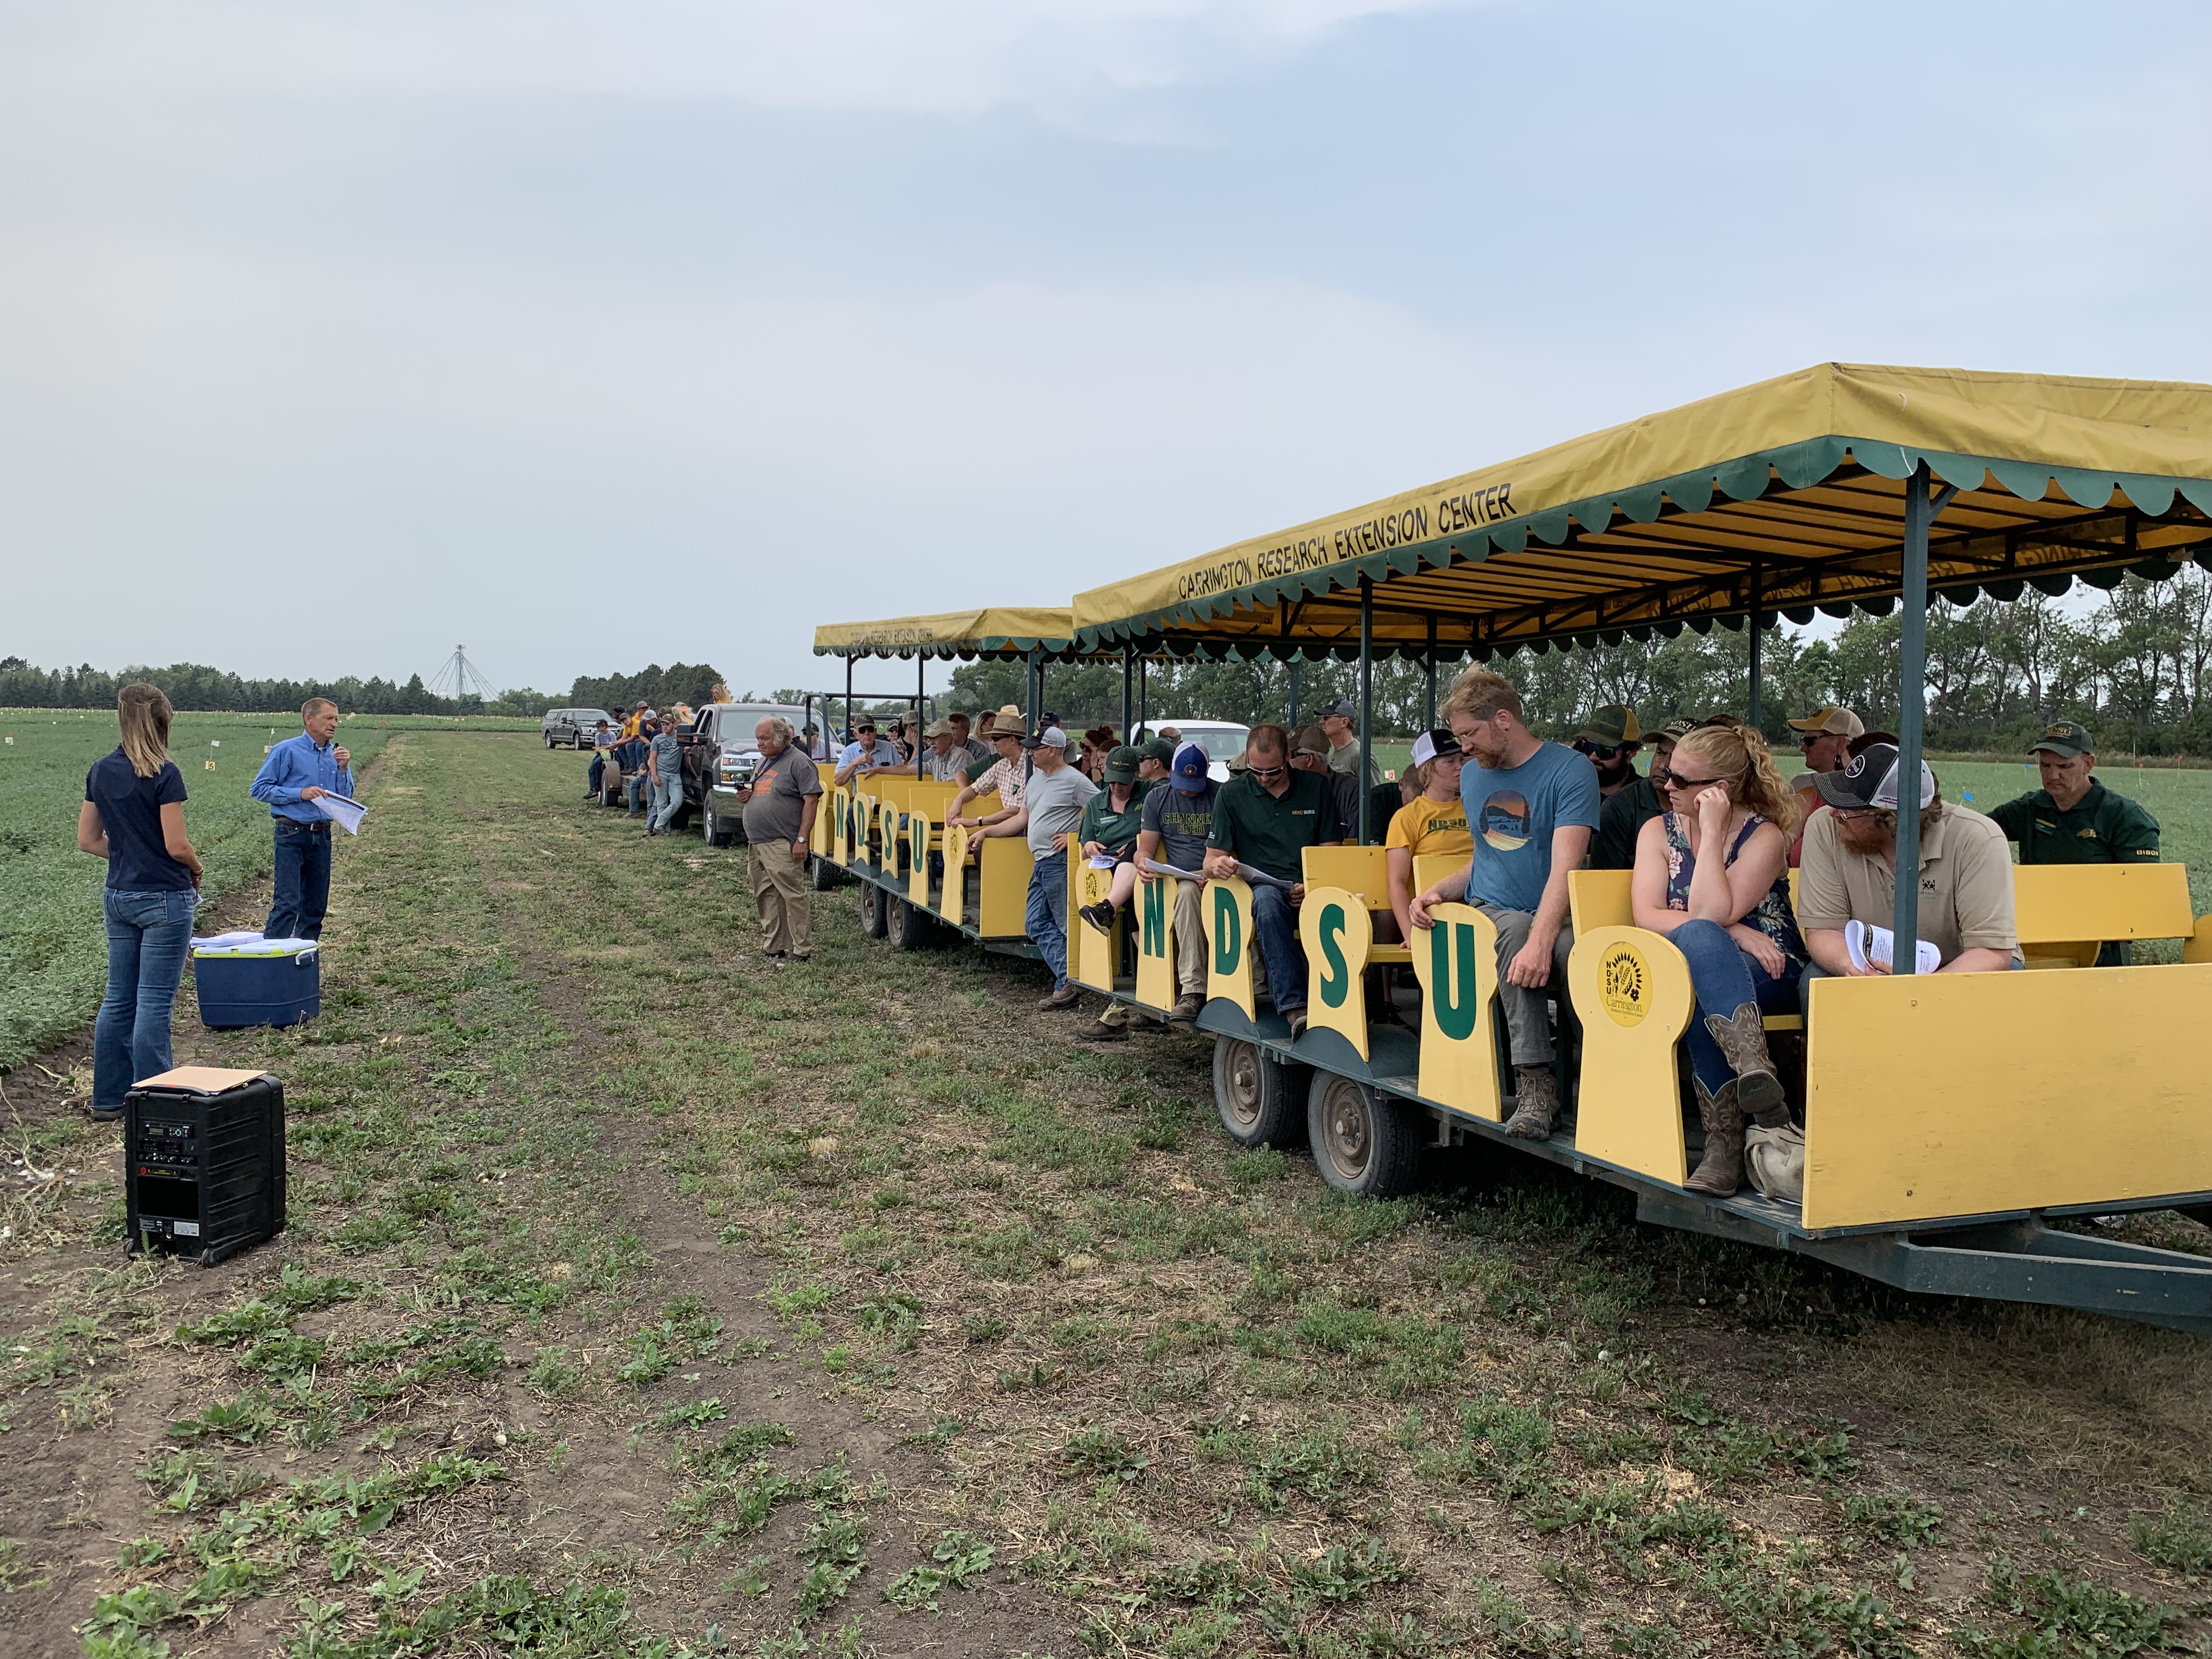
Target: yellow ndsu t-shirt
1422	825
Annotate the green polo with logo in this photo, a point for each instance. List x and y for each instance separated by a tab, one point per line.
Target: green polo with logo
1269	832
1116	832
2103	827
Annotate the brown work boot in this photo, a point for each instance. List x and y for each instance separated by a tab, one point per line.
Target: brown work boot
1537	1093
1066	997
1720	1171
1743	1045
1188	1006
1099	1031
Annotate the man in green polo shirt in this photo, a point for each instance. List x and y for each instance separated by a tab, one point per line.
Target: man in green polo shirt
2075	819
1267	818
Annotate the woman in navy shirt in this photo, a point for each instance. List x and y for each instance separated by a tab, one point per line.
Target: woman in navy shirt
134	817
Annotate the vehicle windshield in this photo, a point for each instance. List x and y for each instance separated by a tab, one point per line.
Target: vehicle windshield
1219	744
734	724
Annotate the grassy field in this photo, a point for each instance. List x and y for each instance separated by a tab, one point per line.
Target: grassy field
643	1300
54	952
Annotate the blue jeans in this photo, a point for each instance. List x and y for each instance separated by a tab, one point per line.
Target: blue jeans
303	881
1275	930
598	770
1047	914
667	797
147	936
634	789
1725	978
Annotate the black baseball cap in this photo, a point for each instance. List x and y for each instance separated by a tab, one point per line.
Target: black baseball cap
1869	780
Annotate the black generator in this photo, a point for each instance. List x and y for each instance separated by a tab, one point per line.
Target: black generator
204	1162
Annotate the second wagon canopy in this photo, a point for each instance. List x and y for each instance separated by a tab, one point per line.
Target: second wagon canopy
1785	497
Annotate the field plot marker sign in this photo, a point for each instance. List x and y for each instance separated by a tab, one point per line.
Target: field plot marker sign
1633	990
1456	962
1228	913
1336	930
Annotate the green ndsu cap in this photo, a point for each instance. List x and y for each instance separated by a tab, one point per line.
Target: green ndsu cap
2064	739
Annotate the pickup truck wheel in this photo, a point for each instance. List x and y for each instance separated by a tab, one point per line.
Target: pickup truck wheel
1256	1094
873	916
910	924
1363	1142
718	830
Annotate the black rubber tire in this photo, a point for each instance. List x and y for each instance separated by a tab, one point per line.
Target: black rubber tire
548	741
875	915
717	831
1256	1096
1363	1142
908	926
826	875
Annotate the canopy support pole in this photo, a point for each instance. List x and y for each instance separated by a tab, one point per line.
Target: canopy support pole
1366	697
1143	719
1429	684
1912	712
1752	711
1036	701
1129	674
920	691
1296	663
848	691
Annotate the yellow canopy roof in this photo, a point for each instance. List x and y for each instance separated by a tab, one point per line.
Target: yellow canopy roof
1784	496
1000	631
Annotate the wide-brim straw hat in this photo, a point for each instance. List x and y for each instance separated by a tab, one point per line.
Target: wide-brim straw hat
1009	722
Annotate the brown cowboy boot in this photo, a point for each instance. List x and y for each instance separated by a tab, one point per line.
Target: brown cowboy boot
1720	1171
1537	1093
1743	1045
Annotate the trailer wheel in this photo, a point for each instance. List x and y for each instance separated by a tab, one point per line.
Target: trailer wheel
909	925
874	918
1363	1142
1254	1093
826	874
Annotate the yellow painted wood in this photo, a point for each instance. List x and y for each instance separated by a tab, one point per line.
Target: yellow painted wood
953	906
1003	888
2064	903
1430	868
1632	991
1399	955
2199	948
1961	1094
1599	898
1456	962
918	832
1226	908
1360	871
1155	904
1336	929
841	825
1091	953
825	820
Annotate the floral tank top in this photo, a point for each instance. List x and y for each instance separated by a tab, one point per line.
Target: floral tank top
1772	915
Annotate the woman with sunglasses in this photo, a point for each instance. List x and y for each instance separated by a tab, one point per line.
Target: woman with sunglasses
1709	874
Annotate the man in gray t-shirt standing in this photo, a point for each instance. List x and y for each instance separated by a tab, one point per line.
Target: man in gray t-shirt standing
779	809
1053	799
663	765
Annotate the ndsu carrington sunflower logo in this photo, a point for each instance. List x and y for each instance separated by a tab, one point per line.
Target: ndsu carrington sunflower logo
1624	984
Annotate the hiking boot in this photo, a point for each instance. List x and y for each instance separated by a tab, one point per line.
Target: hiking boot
1297	1016
1099	915
1720	1171
1188	1006
1743	1045
1537	1094
1065	997
1099	1031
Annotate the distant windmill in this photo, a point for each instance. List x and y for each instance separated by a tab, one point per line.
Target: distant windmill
459	677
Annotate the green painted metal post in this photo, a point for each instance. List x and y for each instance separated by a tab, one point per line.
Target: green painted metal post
1753	713
1429	680
1366	699
1912	694
1296	663
920	691
1128	673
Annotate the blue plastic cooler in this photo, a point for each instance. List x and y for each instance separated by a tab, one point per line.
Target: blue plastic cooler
258	989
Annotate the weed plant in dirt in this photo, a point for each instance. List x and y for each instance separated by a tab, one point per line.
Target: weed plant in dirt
641	1297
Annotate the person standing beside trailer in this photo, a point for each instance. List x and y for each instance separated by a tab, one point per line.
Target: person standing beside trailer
1824	737
1176	821
1053	802
2075	819
298	771
663	771
133	816
778	817
1710	876
1267	817
1531	806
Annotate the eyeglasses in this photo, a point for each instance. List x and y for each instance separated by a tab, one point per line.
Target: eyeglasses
1853	814
1676	781
1266	771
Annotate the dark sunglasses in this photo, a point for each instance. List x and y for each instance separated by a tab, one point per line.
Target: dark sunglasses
1266	771
1602	750
1676	781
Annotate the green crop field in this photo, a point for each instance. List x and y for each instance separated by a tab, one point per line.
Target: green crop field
53	948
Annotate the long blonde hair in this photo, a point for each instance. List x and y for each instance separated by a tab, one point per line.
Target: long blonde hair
144	714
1740	754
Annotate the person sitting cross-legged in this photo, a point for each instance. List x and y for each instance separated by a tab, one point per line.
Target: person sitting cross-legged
1112	820
1267	818
1710	875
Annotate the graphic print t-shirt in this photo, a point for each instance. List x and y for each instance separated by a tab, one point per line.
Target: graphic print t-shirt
1511	813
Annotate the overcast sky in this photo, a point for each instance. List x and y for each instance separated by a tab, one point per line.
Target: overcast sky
593	335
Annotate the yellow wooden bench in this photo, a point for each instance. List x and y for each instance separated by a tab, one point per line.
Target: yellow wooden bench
1601	899
2064	912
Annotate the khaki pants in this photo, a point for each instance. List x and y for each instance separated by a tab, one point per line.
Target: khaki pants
780	895
1528	1027
1190	937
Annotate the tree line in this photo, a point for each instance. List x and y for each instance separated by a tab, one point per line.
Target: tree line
195	686
2135	667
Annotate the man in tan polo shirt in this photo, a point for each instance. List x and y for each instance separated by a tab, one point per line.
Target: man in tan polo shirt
1850	873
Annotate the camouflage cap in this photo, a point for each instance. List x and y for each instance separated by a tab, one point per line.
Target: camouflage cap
1610	728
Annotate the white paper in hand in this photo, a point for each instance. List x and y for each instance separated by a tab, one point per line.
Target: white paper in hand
342	810
1876	947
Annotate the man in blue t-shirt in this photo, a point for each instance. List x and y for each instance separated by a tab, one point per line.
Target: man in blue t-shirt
1531	806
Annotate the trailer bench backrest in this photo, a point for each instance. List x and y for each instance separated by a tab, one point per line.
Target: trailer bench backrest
2064	912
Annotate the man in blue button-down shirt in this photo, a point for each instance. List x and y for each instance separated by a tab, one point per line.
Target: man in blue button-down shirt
297	770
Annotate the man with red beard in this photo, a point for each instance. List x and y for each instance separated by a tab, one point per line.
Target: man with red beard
1850	873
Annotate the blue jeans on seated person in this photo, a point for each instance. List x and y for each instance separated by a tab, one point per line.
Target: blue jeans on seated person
634	789
146	937
598	771
1047	918
1726	977
1275	929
